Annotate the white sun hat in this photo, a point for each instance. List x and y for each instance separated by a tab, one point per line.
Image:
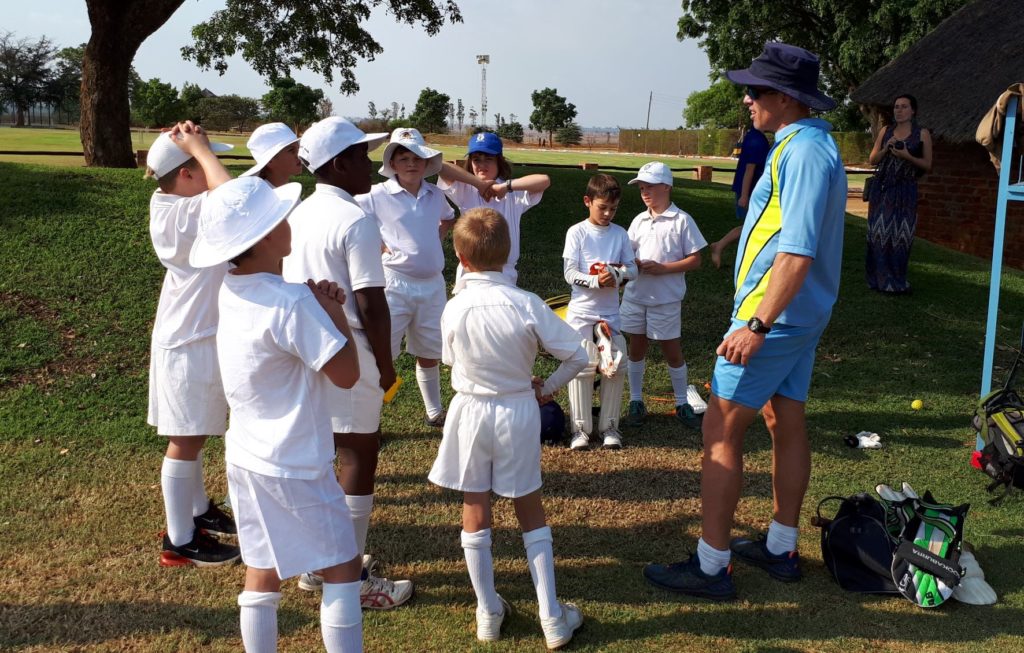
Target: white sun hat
266	142
236	215
654	172
412	140
330	137
165	155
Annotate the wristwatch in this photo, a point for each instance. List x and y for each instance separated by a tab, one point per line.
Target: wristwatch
757	326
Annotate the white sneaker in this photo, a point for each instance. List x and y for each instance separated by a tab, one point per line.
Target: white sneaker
580	440
488	624
313	582
693	398
612	439
558	632
378	593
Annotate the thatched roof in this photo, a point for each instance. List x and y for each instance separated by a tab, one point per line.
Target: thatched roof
958	70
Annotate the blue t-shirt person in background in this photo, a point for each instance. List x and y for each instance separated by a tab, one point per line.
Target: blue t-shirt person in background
753	154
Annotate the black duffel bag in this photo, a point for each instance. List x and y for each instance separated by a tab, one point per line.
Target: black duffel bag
856	545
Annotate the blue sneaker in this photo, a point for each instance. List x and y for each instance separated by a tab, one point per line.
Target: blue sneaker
636	414
784	567
688	418
687	578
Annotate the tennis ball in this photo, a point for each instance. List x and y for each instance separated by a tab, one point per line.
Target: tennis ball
917	404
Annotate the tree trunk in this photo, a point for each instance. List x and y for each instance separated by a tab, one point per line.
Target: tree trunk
118	29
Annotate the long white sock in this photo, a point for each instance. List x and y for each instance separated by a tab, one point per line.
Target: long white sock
712	561
341	619
176	481
360	506
781	538
541	559
636	371
429	381
477	549
200	500
679	382
258	619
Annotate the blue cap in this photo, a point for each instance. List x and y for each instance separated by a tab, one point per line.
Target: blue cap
486	142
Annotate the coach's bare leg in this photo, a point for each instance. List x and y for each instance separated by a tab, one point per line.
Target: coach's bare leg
357	455
185	447
791	457
725	424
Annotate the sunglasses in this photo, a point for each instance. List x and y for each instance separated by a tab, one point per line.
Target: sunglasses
754	92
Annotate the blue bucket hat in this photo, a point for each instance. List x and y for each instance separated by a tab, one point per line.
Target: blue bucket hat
789	70
486	142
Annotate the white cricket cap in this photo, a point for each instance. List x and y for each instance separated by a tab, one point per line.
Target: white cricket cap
654	172
266	142
165	155
412	140
236	215
330	137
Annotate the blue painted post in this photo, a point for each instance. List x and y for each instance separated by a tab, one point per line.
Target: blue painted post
997	249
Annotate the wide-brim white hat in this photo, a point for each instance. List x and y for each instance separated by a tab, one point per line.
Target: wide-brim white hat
654	172
412	140
236	215
165	155
330	137
265	142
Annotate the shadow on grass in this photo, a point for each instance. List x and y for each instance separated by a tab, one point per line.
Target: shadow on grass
87	624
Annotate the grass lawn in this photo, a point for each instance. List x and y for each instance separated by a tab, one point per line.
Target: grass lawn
80	504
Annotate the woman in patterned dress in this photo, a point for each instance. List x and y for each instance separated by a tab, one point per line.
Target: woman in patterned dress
902	152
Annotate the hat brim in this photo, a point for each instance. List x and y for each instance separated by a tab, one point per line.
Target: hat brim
205	255
433	157
373	141
485	150
817	100
647	180
267	158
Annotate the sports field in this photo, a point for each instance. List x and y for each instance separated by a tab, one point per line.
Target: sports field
80	504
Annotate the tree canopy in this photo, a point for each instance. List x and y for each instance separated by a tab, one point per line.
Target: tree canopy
853	39
551	111
24	72
431	112
569	135
718	107
156	103
293	103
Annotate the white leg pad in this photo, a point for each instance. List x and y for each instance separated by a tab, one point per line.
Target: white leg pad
611	393
581	393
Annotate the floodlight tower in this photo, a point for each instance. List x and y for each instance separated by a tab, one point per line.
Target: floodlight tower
483	60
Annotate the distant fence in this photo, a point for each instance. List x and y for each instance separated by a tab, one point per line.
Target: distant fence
854	147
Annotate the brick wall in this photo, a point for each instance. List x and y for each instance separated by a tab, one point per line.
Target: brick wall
957	204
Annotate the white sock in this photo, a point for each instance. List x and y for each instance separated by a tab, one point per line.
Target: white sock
200	500
258	619
679	382
360	507
341	619
781	539
477	549
712	561
176	481
541	559
636	371
429	381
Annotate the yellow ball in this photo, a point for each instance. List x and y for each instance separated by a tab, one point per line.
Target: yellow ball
917	404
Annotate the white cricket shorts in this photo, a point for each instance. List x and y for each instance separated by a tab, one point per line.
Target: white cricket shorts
186	395
358	410
660	322
584	324
289	524
490	444
416	306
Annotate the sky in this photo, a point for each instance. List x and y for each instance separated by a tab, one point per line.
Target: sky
605	56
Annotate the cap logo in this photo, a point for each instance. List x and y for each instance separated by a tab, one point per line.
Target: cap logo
405	136
480	137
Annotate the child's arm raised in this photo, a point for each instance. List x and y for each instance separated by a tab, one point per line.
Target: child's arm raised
451	174
343	368
691	262
193	140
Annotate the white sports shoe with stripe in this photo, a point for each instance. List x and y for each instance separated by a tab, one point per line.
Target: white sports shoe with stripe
314	582
693	398
379	593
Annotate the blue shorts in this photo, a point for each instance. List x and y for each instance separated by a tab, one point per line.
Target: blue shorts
781	366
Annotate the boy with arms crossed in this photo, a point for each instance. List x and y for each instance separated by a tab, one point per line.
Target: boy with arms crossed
186	398
597	259
274	340
491	331
667	243
332	238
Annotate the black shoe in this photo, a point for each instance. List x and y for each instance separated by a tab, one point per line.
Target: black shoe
202	551
215	521
688	418
436	422
687	578
784	567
